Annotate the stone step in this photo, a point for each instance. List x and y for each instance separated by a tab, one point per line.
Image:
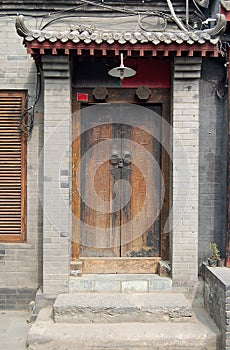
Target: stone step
139	283
120	307
199	333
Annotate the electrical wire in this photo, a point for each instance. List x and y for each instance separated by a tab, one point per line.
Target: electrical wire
222	85
63	15
92	3
187	12
13	14
124	11
176	19
114	8
59	12
27	117
147	16
199	10
48	14
55	20
74	15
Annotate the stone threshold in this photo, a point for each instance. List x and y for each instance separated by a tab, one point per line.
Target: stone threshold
121	307
119	283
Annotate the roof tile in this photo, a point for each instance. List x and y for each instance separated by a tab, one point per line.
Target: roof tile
88	34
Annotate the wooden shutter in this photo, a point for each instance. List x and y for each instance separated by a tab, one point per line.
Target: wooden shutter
12	168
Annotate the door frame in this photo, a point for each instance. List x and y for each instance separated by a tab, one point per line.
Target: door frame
125	95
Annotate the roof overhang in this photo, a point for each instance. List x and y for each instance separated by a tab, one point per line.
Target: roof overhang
104	49
91	42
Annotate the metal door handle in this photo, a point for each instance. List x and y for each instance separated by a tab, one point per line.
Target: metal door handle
120	163
127	157
115	158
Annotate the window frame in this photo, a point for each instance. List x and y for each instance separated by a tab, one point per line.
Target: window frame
15	237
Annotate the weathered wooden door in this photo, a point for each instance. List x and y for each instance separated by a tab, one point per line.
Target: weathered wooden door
117	180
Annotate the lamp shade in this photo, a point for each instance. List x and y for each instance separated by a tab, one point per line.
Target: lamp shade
122	71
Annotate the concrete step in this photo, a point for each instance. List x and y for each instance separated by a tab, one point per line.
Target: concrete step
120	307
139	283
199	333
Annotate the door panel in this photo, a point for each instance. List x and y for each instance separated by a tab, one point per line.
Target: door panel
135	240
118	201
116	205
100	235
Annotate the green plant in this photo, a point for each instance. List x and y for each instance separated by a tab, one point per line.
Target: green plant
214	252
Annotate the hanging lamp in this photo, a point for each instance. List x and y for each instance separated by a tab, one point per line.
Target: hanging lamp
122	71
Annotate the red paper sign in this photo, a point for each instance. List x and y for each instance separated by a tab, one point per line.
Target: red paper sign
81	97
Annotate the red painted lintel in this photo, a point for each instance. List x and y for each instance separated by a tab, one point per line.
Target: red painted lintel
142	49
225	12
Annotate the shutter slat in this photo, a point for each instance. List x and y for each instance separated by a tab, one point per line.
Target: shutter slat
12	171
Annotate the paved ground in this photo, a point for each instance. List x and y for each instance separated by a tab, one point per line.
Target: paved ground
197	333
13	329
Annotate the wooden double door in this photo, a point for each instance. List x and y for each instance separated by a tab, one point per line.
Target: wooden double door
120	177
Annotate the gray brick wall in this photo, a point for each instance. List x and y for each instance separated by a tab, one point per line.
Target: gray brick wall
185	171
20	263
57	161
217	301
212	159
16	298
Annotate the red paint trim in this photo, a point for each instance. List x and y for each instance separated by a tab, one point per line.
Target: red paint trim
114	49
225	12
154	73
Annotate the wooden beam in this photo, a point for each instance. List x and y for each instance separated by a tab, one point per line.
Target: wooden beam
104	49
120	265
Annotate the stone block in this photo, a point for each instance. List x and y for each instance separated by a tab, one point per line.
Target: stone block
134	286
120	307
81	285
161	284
107	286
